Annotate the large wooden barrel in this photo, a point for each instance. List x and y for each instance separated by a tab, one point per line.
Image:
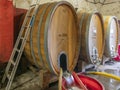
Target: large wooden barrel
92	37
54	38
111	36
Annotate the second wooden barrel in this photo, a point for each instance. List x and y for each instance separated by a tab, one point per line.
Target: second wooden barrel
92	37
111	36
54	38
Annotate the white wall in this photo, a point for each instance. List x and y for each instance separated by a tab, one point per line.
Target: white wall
109	7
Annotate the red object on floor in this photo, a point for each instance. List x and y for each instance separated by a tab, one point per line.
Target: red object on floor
90	83
19	15
117	58
6	30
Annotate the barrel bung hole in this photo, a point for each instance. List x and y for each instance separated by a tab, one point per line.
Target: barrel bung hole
63	61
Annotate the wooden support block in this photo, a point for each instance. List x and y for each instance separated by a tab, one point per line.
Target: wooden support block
79	66
46	78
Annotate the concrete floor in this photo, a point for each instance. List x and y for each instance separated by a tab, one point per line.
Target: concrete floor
108	83
31	81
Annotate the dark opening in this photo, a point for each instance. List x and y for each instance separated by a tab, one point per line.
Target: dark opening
76	9
63	62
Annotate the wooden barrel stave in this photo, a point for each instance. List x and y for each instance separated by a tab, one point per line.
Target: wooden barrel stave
100	41
43	35
39	17
41	60
84	38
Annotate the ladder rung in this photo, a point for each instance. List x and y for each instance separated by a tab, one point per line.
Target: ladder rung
34	5
12	62
24	27
27	26
21	37
18	49
8	76
29	16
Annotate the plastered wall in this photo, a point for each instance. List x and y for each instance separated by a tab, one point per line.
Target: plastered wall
105	7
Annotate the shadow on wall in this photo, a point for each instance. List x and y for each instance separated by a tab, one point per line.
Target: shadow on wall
103	2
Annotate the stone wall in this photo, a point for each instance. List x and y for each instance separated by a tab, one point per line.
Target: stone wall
105	7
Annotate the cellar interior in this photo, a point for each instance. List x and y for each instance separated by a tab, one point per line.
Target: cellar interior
59	44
